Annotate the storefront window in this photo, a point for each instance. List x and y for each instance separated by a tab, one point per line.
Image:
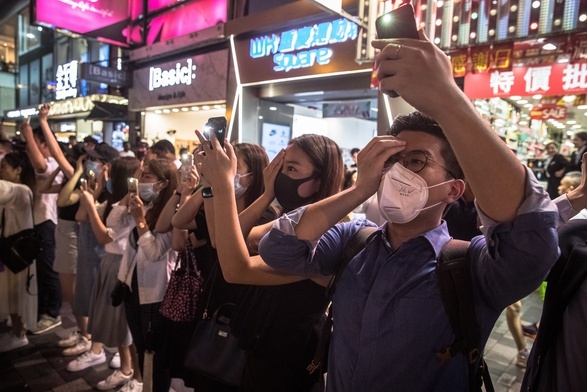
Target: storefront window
29	37
34	83
48	79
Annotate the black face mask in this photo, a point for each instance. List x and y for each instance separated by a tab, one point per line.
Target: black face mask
286	191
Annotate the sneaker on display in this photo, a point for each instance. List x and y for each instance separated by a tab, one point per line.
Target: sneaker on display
114	380
115	361
522	358
9	342
46	323
83	345
69	341
86	360
530	330
132	386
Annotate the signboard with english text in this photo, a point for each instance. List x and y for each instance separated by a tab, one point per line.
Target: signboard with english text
201	78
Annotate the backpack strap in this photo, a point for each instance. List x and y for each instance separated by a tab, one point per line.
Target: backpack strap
352	248
456	289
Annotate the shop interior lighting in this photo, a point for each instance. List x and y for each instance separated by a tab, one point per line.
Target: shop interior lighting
571	122
563	59
536	4
166	111
515	97
195	108
142	113
582	17
582	107
308	93
576	126
522	101
260	117
205	107
217	107
184	109
272	108
569	98
158	111
537	96
175	110
549	46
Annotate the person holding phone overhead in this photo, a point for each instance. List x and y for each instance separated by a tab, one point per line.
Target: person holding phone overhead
389	318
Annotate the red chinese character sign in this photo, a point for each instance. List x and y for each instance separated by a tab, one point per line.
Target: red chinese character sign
553	79
549	112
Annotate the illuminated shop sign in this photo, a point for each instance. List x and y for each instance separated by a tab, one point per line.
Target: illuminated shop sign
66	77
21	113
69	106
303	47
180	74
552	79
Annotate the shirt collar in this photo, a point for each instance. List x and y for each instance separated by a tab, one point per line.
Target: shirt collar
436	237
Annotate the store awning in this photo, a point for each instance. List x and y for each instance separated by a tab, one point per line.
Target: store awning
108	112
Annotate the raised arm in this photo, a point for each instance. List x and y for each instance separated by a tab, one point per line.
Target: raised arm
237	266
422	74
35	155
99	228
182	193
253	213
52	144
45	185
68	194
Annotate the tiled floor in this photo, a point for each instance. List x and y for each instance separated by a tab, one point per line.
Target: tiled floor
40	366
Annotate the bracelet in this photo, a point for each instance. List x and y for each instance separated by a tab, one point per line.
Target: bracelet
177	193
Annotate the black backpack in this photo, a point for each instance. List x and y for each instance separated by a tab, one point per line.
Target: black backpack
454	279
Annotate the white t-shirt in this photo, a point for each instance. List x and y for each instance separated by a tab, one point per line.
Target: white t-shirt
15	203
46	203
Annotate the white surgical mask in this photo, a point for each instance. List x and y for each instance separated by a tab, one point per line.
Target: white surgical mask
239	190
403	194
146	192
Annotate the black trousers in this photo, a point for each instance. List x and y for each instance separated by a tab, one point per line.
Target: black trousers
145	323
47	279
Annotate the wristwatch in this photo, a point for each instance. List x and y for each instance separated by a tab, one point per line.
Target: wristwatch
207	192
142	225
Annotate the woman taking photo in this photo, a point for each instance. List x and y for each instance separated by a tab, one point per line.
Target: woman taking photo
279	324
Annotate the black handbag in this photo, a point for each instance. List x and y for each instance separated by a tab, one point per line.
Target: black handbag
213	351
18	251
119	293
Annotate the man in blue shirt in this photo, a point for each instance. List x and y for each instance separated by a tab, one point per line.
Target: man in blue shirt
389	319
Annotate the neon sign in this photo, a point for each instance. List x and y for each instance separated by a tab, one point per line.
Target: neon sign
303	47
178	75
66	78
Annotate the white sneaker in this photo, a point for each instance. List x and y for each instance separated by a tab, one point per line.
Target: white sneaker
132	386
115	361
86	360
69	341
83	345
522	358
46	323
9	342
114	380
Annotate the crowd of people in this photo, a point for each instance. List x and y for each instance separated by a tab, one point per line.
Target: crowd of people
111	220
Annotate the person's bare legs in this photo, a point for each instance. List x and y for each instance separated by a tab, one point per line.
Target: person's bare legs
138	375
82	326
126	361
514	321
67	287
17	326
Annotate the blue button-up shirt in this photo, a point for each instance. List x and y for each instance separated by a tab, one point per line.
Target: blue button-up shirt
389	319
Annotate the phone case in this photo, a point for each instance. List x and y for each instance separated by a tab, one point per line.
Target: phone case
399	23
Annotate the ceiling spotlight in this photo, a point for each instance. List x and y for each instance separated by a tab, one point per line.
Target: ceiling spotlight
549	46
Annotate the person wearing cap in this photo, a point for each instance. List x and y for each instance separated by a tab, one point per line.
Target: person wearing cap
90	143
163	149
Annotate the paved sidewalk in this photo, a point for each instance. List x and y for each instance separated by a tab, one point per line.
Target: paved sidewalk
40	366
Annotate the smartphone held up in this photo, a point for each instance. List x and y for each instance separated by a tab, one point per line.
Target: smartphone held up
399	23
133	186
216	125
187	162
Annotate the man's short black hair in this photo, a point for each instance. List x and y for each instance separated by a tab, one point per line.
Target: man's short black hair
355	150
163	145
92	140
417	121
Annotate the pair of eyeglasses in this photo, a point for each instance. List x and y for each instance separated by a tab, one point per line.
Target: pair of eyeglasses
416	161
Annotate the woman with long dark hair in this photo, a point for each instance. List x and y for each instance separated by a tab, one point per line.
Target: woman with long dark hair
278	322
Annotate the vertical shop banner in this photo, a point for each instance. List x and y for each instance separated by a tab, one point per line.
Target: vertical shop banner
480	59
458	59
552	79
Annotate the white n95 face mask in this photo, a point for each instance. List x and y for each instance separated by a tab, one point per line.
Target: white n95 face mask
403	194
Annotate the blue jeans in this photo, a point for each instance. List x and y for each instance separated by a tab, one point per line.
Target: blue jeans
47	279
